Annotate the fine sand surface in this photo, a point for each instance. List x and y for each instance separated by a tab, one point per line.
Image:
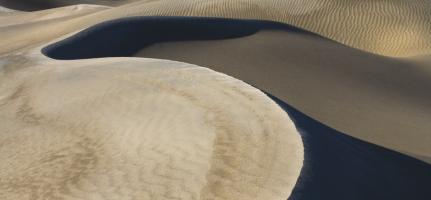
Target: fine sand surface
141	129
378	99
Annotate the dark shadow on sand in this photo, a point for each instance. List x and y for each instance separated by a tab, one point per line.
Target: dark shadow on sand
124	37
336	166
340	167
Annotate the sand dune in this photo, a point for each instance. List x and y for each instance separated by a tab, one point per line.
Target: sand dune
132	128
399	106
395	28
151	129
388	109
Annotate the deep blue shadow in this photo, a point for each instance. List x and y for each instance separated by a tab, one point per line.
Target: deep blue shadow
336	166
124	37
340	167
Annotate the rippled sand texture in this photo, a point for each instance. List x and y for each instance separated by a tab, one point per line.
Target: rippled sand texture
141	129
392	28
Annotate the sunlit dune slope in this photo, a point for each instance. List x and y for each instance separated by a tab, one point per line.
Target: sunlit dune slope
141	128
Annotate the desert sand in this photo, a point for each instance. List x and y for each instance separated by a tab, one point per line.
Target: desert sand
392	28
345	88
175	127
374	98
141	128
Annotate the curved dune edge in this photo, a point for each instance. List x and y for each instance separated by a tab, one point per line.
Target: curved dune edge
141	128
371	104
357	169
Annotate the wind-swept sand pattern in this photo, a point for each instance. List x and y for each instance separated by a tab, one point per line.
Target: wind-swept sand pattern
392	28
151	130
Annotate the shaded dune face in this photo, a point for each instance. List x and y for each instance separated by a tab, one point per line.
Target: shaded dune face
127	36
141	129
336	165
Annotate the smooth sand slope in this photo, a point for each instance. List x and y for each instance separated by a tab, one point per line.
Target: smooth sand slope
378	99
141	129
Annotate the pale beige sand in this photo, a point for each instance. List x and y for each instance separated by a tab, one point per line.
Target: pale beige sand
393	28
378	99
109	128
128	128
